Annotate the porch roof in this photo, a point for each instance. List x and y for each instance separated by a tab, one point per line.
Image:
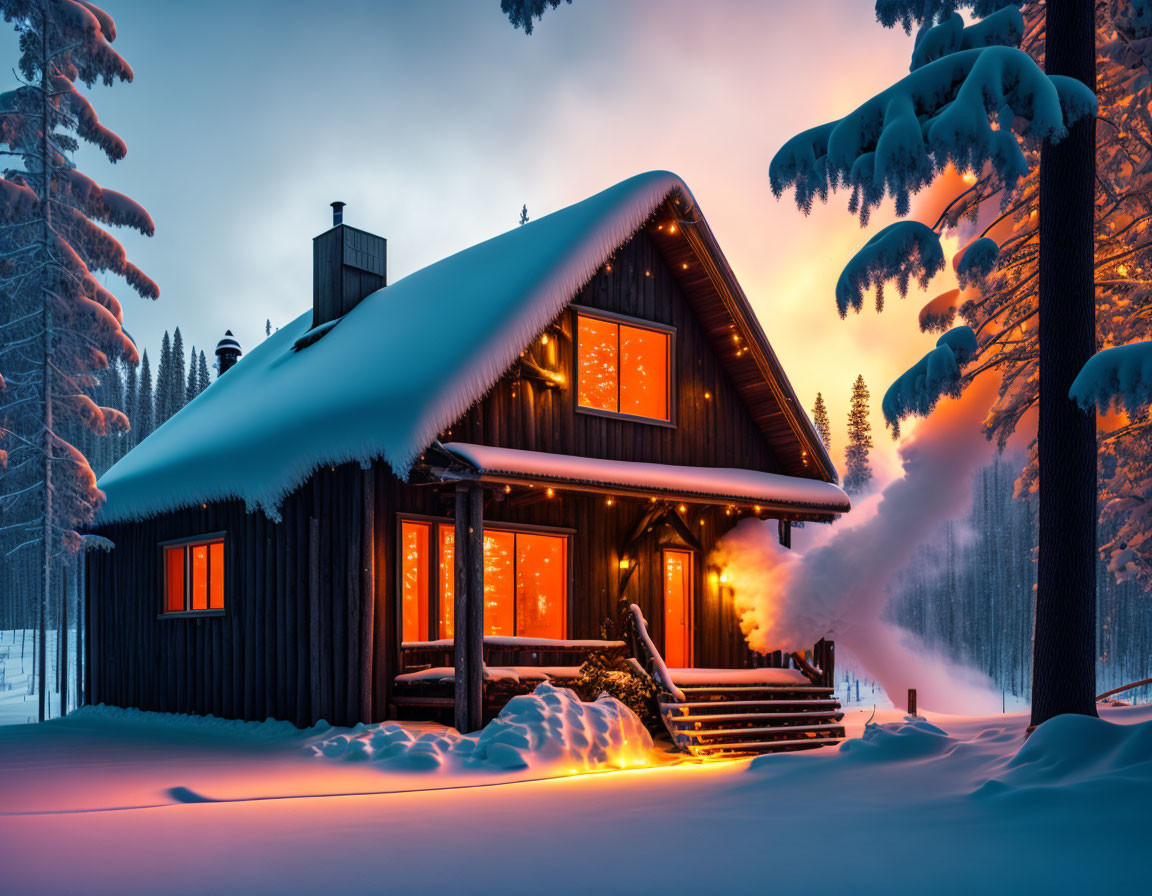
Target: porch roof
710	485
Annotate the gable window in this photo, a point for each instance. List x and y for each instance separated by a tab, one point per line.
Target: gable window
623	366
525	581
193	574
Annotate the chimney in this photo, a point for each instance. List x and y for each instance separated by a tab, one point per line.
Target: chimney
347	265
227	353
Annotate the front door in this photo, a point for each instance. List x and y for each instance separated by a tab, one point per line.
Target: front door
678	580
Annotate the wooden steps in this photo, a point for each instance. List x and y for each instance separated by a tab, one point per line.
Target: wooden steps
722	720
713	716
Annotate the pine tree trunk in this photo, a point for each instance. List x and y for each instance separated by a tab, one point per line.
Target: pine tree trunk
46	367
1063	659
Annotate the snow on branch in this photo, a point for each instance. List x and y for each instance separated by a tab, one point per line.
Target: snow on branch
937	315
909	13
18	203
524	13
87	123
977	261
900	251
1118	377
960	109
104	205
1004	28
937	374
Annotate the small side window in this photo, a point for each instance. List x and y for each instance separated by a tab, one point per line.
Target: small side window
194	575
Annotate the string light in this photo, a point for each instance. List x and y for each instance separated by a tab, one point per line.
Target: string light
756	508
611	501
684	265
551	493
507	489
671	228
707	396
647	273
683	509
544	339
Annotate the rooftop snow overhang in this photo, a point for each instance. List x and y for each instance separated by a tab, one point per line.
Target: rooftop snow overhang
789	496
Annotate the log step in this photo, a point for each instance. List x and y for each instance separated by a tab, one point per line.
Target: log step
775	704
755	746
835	727
737	689
752	717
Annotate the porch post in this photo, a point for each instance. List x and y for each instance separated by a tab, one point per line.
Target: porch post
476	608
468	604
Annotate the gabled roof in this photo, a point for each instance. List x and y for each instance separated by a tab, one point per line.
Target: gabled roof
376	386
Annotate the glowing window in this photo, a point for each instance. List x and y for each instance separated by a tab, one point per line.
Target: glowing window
525	581
622	369
194	576
414	579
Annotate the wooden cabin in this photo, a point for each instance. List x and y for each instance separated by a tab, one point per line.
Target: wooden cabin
473	466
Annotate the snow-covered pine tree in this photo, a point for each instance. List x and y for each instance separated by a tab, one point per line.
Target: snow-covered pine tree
524	215
268	327
205	380
820	419
193	387
163	391
61	327
177	382
131	404
857	460
524	13
970	97
145	420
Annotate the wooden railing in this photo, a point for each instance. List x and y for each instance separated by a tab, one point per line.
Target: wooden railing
416	655
649	658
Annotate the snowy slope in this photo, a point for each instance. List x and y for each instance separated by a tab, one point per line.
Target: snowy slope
402	365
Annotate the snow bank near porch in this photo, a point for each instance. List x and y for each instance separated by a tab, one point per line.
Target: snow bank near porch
548	732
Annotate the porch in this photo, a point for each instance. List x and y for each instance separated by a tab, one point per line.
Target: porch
651	526
786	703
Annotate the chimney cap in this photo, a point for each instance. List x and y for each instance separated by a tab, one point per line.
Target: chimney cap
228	343
337	212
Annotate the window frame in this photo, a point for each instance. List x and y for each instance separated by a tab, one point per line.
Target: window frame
434	566
641	324
207	538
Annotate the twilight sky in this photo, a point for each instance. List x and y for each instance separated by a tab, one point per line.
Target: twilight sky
435	121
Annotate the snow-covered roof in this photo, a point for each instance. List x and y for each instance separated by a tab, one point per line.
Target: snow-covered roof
401	366
711	484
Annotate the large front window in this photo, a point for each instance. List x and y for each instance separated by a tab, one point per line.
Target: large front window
623	368
525	581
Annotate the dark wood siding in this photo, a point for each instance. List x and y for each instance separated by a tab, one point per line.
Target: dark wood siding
282	648
522	412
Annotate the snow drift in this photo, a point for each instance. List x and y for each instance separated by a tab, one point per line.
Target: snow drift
548	732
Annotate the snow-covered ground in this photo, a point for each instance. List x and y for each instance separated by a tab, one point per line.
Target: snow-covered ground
19	701
109	801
